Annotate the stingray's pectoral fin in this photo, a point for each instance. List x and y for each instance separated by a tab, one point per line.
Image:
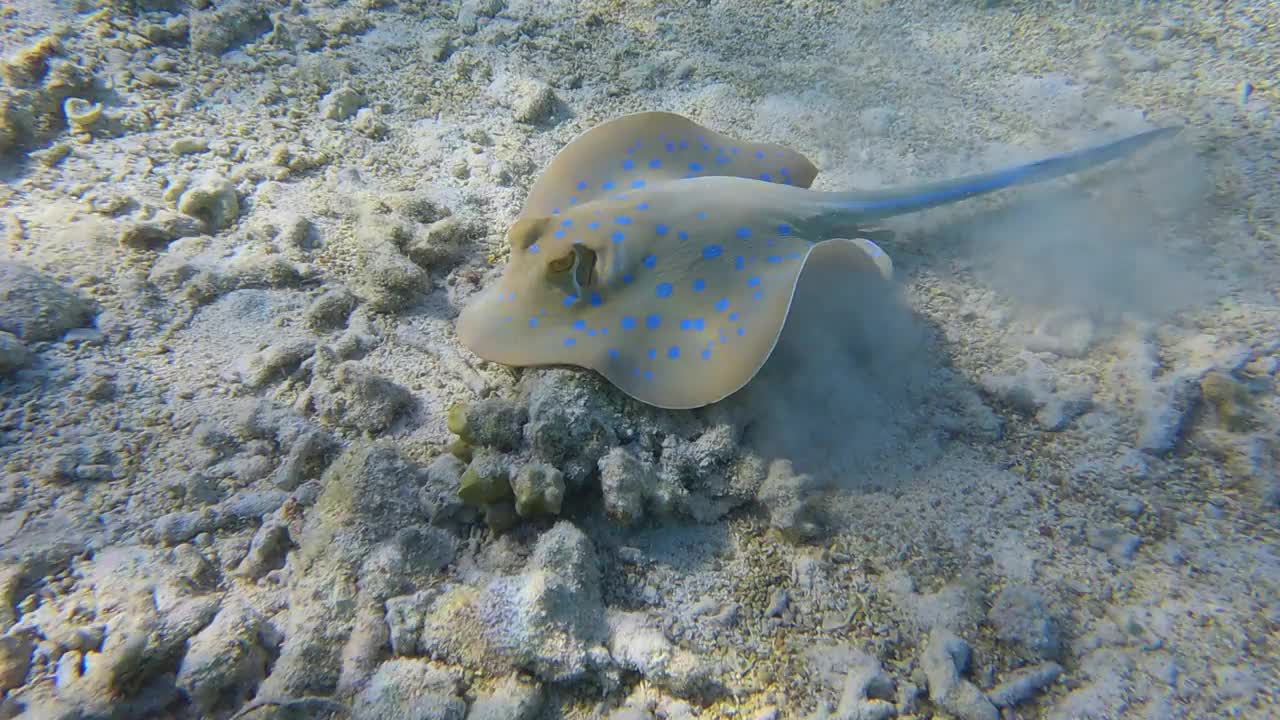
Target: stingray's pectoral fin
876	258
878	234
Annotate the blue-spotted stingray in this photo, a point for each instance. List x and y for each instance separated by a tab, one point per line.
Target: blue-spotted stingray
664	255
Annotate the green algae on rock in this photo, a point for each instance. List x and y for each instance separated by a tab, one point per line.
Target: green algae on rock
539	490
494	423
486	480
1229	399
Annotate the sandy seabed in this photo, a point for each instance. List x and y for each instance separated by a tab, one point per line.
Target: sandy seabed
247	470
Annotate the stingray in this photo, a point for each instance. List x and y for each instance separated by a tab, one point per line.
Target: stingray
665	255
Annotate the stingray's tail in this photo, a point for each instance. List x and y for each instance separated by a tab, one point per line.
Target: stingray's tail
885	203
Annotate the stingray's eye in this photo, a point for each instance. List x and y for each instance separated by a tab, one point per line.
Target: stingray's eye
584	272
561	264
574	272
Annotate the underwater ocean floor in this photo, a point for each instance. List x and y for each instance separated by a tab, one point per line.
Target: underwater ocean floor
248	471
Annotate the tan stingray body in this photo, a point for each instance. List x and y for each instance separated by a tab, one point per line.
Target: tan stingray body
665	255
691	292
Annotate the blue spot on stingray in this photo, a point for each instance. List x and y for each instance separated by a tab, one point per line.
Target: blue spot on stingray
706	354
653	353
722	304
701	216
793	256
622	220
699	284
684	144
757	295
579	325
663	290
648	374
533	249
695	167
739	262
650	261
558	234
766	177
671	147
628	163
656	163
686	325
569	342
642	206
653	321
759	154
742	331
595	299
604	331
626	279
637	183
566	222
613	353
733	317
682	235
673	352
699	324
628	322
555	211
743	232
591	332
593	224
533	322
582	185
617	236
773	259
607	186
660	229
569	300
783	172
712	251
573	200
753	281
784	229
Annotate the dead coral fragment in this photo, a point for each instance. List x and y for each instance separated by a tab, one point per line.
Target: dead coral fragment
81	114
214	201
28	67
1229	399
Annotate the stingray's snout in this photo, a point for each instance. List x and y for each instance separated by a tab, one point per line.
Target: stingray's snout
472	325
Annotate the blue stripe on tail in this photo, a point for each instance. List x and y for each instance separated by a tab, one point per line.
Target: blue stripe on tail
892	203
